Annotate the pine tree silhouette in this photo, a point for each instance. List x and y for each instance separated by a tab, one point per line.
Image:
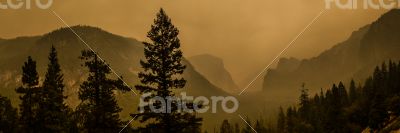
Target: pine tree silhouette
352	91
29	100
162	73
53	112
98	108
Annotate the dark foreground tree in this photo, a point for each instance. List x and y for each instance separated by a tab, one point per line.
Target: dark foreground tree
281	121
98	110
53	113
162	74
8	116
29	100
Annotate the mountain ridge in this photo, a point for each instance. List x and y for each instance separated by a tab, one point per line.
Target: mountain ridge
350	59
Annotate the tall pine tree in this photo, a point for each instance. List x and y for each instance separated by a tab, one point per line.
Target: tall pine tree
53	112
162	73
352	92
29	99
98	108
304	109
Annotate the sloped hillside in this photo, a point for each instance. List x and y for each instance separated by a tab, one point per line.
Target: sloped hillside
214	70
354	58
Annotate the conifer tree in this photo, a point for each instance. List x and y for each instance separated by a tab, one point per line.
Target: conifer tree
98	108
304	108
352	91
378	113
281	121
344	98
259	127
29	100
8	116
162	74
53	112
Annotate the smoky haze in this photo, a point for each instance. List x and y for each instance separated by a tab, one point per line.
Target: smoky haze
247	35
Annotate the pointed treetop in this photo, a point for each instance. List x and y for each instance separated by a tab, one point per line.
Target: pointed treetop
30	75
341	84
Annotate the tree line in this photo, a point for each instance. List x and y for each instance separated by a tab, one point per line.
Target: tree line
43	108
372	106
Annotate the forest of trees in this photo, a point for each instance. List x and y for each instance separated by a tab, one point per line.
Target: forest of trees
340	109
43	108
348	109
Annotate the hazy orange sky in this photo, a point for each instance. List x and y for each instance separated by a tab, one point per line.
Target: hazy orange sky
246	34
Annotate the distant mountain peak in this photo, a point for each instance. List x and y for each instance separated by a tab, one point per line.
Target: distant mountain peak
214	70
78	28
65	33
